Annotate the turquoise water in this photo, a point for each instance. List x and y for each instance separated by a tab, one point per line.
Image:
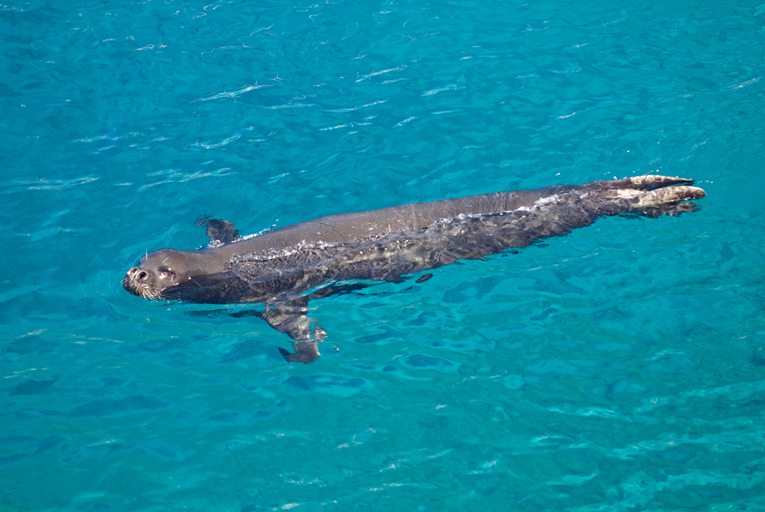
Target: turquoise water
618	368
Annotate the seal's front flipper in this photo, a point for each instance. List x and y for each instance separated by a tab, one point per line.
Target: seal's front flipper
292	319
305	352
221	231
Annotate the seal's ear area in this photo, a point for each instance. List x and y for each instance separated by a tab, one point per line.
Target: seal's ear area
221	231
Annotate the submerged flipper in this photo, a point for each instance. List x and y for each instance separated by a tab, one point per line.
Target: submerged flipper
221	231
305	352
292	319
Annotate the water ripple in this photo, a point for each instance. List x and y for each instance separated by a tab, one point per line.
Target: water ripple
174	176
46	184
232	94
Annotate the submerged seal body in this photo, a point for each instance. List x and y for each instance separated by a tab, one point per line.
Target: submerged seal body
280	268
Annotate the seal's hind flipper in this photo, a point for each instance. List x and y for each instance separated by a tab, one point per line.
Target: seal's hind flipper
221	231
651	203
672	209
646	182
667	196
292	319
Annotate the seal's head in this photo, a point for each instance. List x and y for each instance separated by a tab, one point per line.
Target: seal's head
158	271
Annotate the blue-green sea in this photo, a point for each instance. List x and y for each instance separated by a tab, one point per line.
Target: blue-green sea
618	368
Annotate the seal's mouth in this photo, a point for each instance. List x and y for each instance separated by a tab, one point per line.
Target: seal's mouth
136	282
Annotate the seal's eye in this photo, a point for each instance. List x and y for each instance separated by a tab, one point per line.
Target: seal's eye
167	274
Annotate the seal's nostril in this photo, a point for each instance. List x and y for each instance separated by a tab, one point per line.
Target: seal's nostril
142	275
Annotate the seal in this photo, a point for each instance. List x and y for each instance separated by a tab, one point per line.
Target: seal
287	267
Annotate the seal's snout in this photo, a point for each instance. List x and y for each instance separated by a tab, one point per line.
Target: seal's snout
139	282
137	274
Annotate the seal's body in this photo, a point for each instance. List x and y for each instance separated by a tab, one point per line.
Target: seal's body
280	267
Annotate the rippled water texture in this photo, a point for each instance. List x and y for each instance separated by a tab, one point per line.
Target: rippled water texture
617	368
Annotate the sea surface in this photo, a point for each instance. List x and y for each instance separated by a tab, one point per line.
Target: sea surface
618	368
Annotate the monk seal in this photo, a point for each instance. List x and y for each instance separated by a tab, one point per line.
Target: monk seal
287	267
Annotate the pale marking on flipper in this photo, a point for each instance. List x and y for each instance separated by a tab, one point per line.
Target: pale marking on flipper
661	196
652	180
